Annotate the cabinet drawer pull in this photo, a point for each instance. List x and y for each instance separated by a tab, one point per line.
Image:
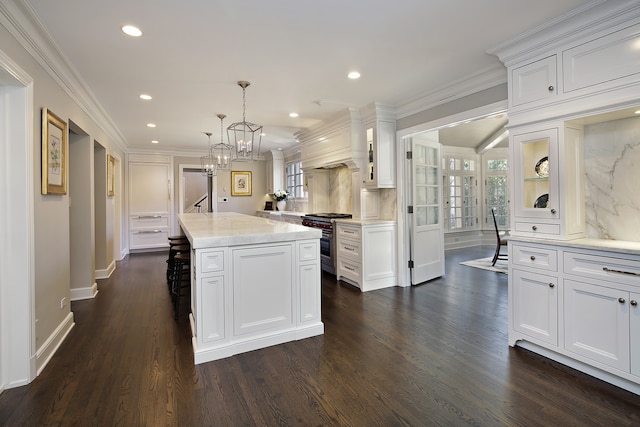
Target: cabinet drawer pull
346	267
550	88
628	273
148	231
348	232
551	285
621	300
534	228
553	211
149	216
633	302
533	258
347	248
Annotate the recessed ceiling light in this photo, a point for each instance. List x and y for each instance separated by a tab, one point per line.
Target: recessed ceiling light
145	97
154	142
293	114
132	31
638	112
151	125
353	75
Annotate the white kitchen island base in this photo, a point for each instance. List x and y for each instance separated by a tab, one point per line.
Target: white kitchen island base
255	283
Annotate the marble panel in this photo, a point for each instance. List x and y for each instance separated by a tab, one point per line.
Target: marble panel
340	190
612	169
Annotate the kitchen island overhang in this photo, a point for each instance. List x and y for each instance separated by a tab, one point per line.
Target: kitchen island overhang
254	283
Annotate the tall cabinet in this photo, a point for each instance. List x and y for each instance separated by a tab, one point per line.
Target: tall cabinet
150	201
571	298
379	123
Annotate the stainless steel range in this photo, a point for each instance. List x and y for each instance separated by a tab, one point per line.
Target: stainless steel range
325	222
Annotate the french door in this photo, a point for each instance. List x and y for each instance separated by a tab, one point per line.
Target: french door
426	222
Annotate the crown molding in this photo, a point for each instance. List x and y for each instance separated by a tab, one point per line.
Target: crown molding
20	20
484	79
583	22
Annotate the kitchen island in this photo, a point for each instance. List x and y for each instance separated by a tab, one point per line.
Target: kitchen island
254	283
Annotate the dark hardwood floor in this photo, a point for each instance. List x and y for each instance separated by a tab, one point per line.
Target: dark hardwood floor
434	354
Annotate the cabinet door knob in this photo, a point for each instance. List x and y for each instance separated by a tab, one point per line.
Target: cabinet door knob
621	300
553	211
551	88
633	302
551	285
534	228
533	258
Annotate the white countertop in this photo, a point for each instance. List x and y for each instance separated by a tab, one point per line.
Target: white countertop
222	229
618	246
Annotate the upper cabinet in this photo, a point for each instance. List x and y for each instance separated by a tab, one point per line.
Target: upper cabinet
275	171
380	134
534	81
585	62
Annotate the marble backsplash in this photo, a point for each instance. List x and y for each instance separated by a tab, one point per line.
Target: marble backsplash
612	169
340	190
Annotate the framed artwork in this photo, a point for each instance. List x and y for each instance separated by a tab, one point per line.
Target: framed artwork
111	164
268	206
54	154
240	183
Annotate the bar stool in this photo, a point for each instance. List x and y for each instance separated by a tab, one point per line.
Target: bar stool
180	281
175	249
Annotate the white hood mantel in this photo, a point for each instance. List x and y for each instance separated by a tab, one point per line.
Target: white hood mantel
338	141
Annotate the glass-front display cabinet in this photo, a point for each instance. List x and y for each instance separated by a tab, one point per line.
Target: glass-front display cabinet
548	181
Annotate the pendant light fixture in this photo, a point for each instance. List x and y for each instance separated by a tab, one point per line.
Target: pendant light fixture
223	153
207	162
245	136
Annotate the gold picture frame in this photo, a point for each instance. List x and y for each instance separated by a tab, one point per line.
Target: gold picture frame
54	153
111	165
240	183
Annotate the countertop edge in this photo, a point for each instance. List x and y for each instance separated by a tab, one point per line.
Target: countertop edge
606	245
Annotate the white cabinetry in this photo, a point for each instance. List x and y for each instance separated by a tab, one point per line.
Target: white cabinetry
150	201
548	187
275	171
366	255
380	135
534	81
580	303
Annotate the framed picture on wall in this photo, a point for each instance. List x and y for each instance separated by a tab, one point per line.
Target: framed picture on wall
240	183
111	165
54	154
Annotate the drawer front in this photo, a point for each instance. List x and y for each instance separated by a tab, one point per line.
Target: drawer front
534	228
308	251
149	239
211	261
527	256
604	268
148	221
350	270
346	232
350	249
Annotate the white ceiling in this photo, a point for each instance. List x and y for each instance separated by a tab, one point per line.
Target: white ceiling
296	54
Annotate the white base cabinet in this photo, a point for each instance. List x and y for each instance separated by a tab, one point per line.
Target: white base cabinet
366	254
249	297
577	303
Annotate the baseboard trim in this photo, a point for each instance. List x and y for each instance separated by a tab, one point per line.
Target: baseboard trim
106	273
51	345
84	293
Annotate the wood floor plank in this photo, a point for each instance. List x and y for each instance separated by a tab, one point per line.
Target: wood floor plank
433	354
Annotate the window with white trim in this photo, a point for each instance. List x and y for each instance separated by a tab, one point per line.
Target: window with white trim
460	193
295	180
496	174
